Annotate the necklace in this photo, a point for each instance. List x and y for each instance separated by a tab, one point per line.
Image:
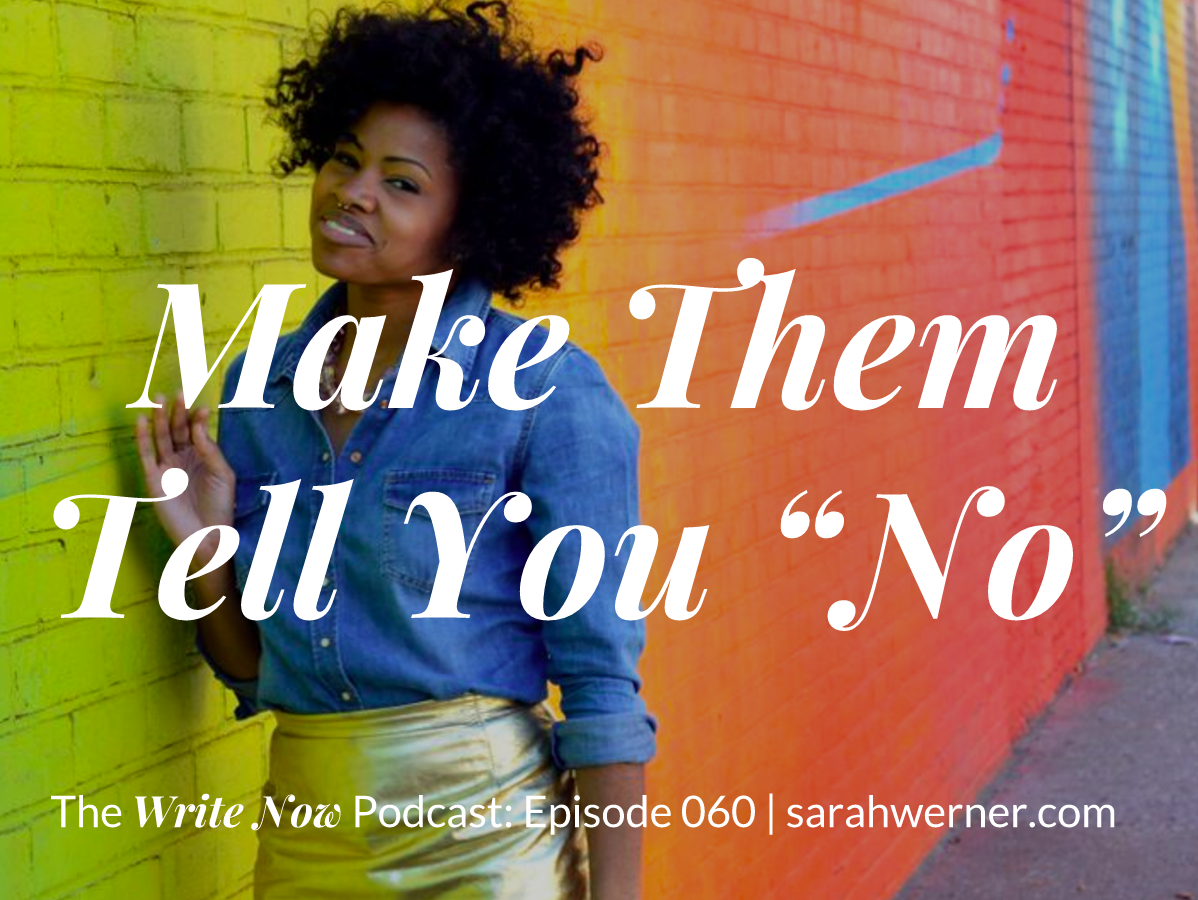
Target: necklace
328	373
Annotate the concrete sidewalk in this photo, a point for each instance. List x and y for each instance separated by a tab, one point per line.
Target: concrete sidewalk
1124	733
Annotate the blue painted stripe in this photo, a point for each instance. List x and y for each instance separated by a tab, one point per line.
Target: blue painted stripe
876	190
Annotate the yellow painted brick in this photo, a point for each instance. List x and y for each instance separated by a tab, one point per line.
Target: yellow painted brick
249	218
34	581
36	762
183	706
12	499
27	36
57	129
37	415
63	855
50	477
96	391
225	7
289	272
297	205
173	778
181	221
232	765
226	292
8	324
145	556
141	881
246	62
58	309
142	134
109	734
264	141
189	867
134	304
238	851
214	136
5	131
16	864
96	44
152	644
286	12
61	664
176	54
98	220
32	231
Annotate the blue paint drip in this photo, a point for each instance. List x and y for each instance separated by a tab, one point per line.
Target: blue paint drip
885	187
1010	30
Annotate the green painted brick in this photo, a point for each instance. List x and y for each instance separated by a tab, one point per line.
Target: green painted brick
12	499
146	553
37	762
142	134
214	136
27	36
176	54
65	855
57	129
96	44
246	62
37	415
34	582
32	231
109	734
52	476
16	864
249	218
142	881
58	309
58	665
98	220
181	220
297	205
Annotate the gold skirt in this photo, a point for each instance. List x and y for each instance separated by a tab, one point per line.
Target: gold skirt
477	758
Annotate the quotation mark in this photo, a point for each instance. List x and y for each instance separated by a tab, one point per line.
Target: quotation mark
827	524
1118	503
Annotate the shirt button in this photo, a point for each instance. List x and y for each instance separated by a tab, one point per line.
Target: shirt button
355	457
324	457
324	642
384	404
327	581
346	696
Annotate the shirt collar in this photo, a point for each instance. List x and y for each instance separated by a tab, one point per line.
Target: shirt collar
469	298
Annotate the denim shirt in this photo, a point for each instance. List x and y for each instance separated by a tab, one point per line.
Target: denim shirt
574	455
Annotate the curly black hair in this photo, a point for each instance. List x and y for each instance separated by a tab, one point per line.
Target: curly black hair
526	161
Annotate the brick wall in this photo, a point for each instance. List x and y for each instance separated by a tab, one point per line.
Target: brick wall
132	153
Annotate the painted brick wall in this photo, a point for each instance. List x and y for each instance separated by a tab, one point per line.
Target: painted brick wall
132	152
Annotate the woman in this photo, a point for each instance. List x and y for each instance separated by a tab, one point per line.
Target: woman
440	140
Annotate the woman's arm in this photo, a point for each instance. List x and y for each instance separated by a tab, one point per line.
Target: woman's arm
615	853
178	440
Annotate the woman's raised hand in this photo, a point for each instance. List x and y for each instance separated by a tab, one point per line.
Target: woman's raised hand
179	440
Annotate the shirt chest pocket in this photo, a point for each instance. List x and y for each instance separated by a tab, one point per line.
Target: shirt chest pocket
410	550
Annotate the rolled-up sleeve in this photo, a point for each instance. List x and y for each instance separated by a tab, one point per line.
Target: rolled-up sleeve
245	690
580	469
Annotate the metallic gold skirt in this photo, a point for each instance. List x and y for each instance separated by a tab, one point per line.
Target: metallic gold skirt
478	755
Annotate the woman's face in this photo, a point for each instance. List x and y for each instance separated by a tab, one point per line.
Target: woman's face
391	170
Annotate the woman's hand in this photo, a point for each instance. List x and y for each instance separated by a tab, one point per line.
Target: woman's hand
177	440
